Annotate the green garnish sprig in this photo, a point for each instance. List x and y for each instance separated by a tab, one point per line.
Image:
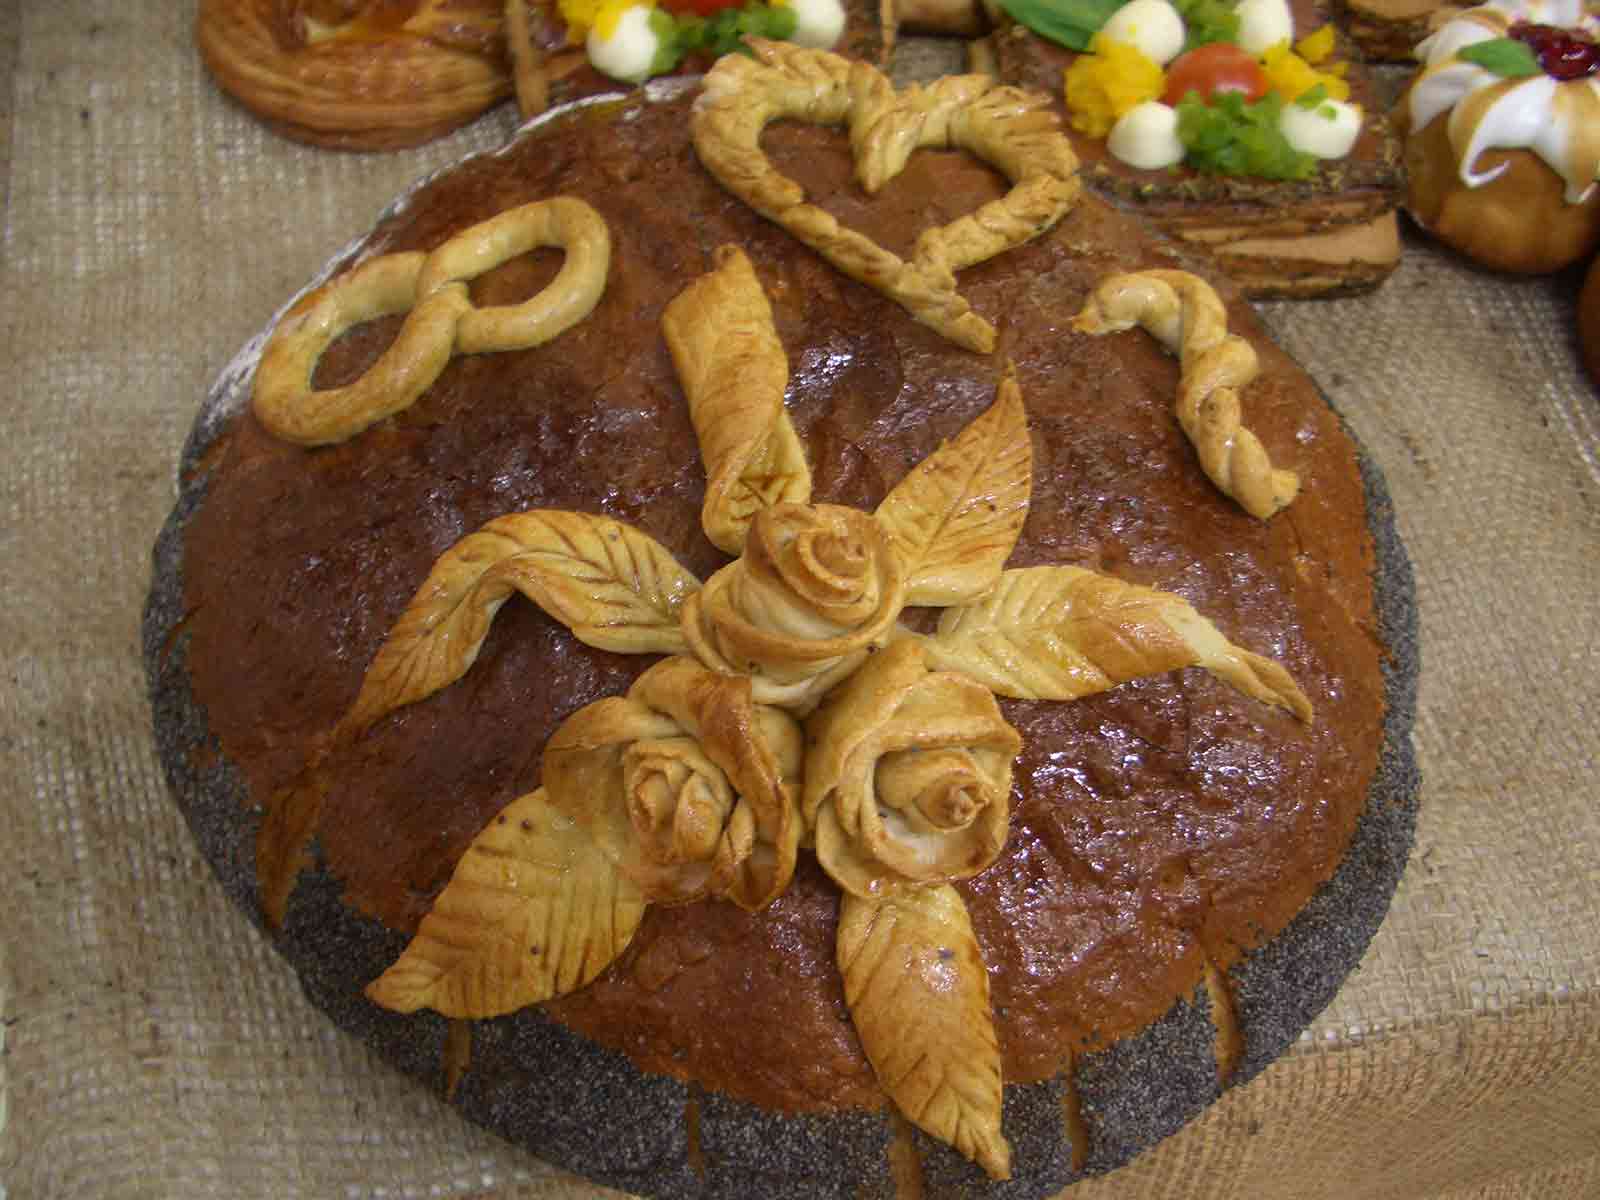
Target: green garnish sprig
1069	23
1231	136
1207	21
721	33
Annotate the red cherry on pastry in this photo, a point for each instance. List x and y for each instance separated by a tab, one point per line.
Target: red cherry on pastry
1563	53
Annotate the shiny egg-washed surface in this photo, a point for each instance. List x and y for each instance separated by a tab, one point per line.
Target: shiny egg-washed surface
1157	828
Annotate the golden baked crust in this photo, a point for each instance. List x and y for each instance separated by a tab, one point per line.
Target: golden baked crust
358	76
333	564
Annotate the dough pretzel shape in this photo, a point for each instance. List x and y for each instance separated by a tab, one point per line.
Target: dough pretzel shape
1013	130
1186	315
441	320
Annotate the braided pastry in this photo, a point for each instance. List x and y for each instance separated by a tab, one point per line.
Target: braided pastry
1186	315
1012	130
358	74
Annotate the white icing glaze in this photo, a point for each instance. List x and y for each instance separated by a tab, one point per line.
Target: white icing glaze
1551	118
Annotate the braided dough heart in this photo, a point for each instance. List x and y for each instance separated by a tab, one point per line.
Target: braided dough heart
1013	130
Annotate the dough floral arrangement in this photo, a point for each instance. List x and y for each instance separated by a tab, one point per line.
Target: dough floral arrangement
1224	88
798	705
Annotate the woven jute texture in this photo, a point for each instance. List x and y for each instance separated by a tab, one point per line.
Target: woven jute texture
152	1045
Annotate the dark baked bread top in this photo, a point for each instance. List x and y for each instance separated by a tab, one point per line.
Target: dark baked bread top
1156	828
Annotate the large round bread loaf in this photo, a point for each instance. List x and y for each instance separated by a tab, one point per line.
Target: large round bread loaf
1189	873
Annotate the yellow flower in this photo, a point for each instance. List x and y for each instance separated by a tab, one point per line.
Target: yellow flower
1105	83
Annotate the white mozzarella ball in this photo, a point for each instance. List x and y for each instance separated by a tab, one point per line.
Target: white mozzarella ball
631	48
818	23
1263	24
1153	27
1146	136
1328	130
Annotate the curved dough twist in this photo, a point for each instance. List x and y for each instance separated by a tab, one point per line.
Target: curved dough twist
1187	316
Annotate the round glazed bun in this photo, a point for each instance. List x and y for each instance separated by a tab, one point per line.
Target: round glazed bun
1519	222
1499	150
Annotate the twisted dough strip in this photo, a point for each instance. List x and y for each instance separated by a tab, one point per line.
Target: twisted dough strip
1011	129
358	74
734	371
441	320
560	221
1186	315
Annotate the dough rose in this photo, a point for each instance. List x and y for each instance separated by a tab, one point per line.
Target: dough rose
818	588
686	784
907	775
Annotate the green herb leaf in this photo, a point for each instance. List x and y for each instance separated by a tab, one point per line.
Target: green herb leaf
1506	57
723	32
1069	23
1312	96
1207	21
669	42
1232	137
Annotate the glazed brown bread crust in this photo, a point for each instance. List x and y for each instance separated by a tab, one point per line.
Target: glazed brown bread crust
1160	832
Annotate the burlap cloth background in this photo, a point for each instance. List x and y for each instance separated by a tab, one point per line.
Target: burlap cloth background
154	1047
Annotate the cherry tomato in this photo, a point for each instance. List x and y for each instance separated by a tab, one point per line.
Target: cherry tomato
1212	69
700	8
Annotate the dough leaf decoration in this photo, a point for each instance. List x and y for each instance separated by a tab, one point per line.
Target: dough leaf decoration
918	994
282	841
1061	633
1185	314
955	518
533	910
734	372
615	587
